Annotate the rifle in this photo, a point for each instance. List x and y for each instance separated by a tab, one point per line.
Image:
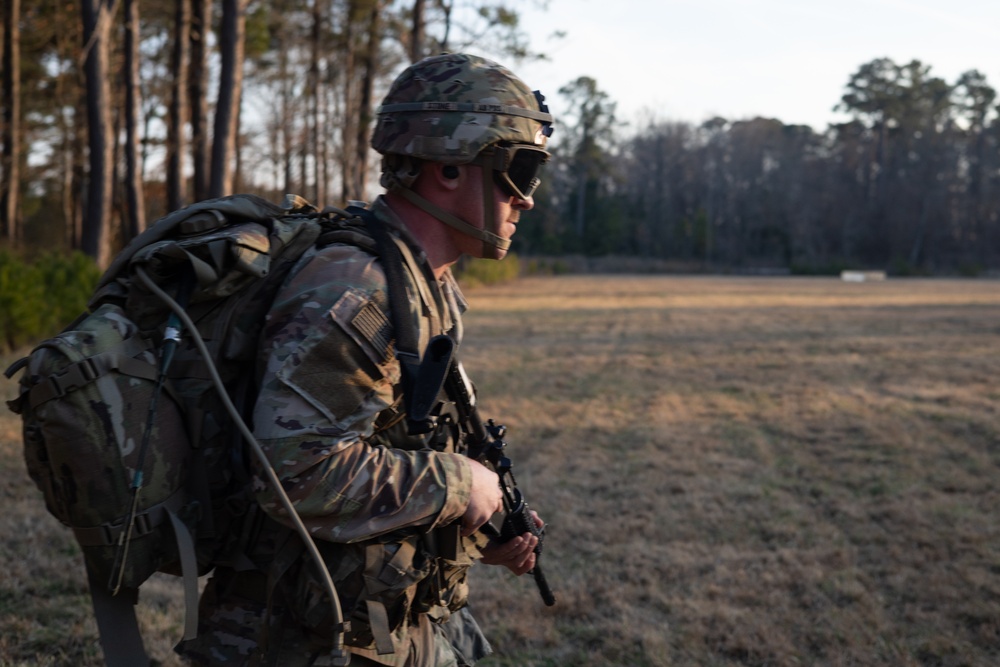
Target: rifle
485	443
483	440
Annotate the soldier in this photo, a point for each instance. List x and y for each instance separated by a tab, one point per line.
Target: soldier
396	515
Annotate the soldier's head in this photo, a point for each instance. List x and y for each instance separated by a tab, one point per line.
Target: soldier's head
469	122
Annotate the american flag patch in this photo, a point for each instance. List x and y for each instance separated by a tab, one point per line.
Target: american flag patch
374	326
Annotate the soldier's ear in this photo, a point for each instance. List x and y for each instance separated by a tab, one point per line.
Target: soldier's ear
447	176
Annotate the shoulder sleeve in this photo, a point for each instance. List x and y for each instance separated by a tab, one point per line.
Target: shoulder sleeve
328	373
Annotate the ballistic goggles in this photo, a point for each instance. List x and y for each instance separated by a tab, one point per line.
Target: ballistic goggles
515	167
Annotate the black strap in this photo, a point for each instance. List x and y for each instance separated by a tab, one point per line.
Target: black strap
392	264
120	358
405	328
117	625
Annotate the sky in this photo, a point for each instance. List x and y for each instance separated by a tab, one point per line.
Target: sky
690	60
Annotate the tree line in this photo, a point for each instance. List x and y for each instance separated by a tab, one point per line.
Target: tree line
112	117
910	184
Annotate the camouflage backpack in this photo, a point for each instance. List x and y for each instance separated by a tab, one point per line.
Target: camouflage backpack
127	432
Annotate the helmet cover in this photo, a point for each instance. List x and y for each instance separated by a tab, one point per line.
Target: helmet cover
447	108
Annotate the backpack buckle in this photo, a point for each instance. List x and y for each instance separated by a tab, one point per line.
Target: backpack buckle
89	371
78	375
141	526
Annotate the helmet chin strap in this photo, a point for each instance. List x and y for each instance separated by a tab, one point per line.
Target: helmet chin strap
493	244
491	250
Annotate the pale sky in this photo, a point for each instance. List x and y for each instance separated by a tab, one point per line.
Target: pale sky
689	60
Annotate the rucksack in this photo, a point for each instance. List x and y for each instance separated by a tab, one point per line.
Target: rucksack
135	442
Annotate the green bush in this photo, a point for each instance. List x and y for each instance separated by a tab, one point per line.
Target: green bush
547	267
21	291
904	268
970	269
473	272
38	299
69	282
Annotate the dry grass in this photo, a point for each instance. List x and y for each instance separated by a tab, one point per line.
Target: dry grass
735	472
750	472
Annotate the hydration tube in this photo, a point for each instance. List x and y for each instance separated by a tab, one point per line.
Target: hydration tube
338	654
171	339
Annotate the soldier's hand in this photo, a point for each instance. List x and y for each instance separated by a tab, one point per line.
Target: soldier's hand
518	554
485	498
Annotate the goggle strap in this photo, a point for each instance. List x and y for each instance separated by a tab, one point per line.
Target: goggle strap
487	237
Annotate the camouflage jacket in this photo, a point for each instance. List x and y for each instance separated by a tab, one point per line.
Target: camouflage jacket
330	389
329	372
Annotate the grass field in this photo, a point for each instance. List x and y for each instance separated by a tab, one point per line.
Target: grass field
734	471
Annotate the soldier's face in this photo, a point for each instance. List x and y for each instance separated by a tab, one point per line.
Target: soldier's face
507	210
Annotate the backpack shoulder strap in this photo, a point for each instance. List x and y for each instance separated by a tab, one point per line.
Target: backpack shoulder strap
422	376
392	264
117	626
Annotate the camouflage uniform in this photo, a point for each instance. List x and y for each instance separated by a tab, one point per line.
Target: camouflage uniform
326	416
384	506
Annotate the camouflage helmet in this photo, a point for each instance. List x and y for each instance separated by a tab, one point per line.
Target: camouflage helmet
448	108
